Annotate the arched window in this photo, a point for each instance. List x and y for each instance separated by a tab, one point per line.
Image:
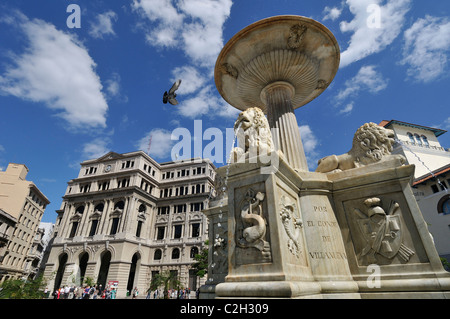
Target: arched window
60	272
119	205
425	141
175	253
99	207
80	209
83	260
157	255
418	140
194	251
411	138
104	268
444	205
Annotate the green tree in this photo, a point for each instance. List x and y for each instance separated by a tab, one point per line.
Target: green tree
23	289
89	281
445	263
166	279
201	265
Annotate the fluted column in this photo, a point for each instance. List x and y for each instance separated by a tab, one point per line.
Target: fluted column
285	132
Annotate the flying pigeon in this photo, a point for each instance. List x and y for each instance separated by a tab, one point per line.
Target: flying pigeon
170	97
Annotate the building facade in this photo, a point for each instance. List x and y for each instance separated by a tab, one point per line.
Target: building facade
24	204
431	185
7	226
126	218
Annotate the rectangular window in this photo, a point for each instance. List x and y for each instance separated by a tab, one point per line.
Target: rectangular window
103	185
178	230
195	207
73	230
195	230
163	210
138	230
114	226
160	233
93	227
434	188
85	188
180	208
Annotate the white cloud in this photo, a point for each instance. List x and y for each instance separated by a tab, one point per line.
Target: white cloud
374	27
192	79
332	13
367	78
194	26
97	148
56	69
161	143
426	48
113	85
446	124
103	25
206	102
347	109
310	143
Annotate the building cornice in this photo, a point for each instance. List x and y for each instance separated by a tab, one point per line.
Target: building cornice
437	132
435	173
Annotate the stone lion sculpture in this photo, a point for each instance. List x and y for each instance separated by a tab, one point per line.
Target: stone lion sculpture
371	144
253	134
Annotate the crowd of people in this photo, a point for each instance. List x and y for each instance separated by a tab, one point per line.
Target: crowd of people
86	292
97	292
172	294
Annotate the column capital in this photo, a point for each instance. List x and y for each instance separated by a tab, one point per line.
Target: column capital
278	85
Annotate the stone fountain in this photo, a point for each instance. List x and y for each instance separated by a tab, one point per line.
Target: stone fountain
351	229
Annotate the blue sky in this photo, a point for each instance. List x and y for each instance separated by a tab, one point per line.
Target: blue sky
72	92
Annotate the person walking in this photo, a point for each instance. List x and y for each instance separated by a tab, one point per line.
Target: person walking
113	293
135	293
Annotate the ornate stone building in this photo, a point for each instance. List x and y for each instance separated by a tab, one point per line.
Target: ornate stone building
22	205
421	147
126	218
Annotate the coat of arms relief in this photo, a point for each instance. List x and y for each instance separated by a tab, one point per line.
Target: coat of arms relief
381	232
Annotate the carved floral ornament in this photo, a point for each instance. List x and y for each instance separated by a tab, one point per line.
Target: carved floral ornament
292	225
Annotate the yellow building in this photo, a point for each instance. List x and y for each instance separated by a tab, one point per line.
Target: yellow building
24	203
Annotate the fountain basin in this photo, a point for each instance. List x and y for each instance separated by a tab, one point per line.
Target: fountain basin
292	49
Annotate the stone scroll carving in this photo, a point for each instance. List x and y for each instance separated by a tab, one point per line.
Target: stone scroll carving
254	223
292	225
229	69
371	144
382	231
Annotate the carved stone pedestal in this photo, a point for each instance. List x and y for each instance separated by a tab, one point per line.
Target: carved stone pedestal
390	251
326	250
218	242
268	254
